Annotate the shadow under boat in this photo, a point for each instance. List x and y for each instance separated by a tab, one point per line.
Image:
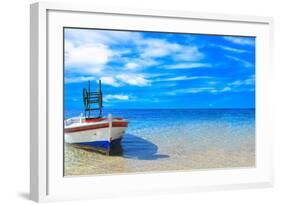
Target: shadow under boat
130	147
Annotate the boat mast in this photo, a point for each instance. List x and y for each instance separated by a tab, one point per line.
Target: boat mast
92	98
100	98
89	90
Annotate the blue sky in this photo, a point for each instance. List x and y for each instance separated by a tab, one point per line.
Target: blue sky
160	70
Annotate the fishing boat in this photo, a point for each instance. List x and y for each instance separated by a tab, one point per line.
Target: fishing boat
92	130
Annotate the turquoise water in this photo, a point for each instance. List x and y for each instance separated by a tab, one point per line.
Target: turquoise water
172	139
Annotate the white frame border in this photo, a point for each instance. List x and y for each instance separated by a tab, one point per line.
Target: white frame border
38	84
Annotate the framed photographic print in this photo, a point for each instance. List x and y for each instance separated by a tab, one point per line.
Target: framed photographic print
128	101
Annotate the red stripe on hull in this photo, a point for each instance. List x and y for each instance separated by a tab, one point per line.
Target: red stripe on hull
101	119
98	126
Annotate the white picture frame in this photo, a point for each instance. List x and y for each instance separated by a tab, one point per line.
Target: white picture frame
47	182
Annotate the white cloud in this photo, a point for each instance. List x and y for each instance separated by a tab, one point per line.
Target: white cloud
179	78
199	77
192	90
235	50
229	88
131	65
226	89
241	40
82	36
248	81
78	79
86	58
237	86
239	60
133	79
139	63
245	85
153	48
157	48
89	52
108	80
189	53
107	98
236	83
200	90
148	62
115	81
188	66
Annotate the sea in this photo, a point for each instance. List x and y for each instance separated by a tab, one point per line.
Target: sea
159	140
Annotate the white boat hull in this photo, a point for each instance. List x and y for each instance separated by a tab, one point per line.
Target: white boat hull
99	133
95	135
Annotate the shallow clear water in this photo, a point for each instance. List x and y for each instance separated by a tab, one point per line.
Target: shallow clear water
172	139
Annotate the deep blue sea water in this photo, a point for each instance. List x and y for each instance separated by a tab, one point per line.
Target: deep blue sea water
179	138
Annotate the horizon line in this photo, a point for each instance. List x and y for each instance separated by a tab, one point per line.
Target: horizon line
180	108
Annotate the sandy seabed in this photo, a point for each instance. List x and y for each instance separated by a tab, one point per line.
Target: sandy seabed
85	162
